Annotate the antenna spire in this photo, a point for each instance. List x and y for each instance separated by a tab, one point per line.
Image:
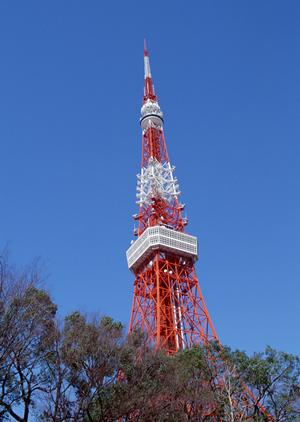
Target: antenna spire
145	47
149	93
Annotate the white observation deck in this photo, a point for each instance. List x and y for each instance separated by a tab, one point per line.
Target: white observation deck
164	239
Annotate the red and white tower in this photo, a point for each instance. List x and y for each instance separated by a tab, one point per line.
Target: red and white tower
167	302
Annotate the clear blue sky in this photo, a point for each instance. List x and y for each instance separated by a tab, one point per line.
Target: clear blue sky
228	78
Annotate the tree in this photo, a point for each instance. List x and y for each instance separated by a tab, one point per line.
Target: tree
26	336
87	370
83	366
274	379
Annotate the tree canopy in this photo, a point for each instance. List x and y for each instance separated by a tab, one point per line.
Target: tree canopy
87	369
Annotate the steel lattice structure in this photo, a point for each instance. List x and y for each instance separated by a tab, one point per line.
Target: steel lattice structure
167	302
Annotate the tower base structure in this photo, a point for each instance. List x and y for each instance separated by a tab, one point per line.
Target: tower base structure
168	304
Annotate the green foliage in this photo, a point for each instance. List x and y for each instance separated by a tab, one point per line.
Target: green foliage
87	370
273	377
27	331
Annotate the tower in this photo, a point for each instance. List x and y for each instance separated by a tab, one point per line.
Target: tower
167	301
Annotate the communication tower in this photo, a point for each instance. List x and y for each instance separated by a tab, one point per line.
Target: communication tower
167	300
